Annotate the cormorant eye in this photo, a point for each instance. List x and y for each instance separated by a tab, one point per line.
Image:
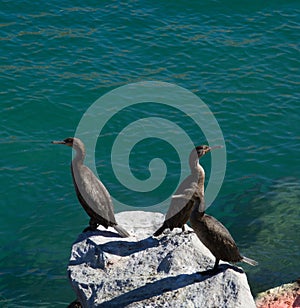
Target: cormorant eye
68	141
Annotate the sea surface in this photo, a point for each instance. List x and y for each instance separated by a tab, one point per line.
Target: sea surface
59	57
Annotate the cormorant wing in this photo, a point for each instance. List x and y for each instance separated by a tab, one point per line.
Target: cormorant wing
219	241
178	203
218	229
94	193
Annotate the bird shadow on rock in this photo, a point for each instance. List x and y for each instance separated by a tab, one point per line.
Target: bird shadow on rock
126	248
104	233
155	288
94	254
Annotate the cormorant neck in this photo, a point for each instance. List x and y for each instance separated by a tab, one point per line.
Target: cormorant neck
80	155
197	170
199	206
201	178
194	161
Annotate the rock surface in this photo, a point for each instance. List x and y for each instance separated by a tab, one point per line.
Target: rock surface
285	296
141	271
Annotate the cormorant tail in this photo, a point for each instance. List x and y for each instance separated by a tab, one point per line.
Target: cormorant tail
122	232
160	230
249	261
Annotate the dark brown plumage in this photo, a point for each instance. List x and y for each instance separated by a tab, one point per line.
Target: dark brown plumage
180	207
91	193
214	235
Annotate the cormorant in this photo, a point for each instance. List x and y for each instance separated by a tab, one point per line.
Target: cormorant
91	193
180	207
214	235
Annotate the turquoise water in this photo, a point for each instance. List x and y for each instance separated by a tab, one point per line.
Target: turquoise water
57	58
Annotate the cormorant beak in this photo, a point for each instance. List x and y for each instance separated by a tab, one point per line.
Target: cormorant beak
207	150
58	142
215	147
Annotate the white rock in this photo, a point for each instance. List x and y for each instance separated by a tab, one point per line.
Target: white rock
141	271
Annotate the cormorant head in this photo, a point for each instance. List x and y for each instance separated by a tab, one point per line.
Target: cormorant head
202	150
68	141
74	143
